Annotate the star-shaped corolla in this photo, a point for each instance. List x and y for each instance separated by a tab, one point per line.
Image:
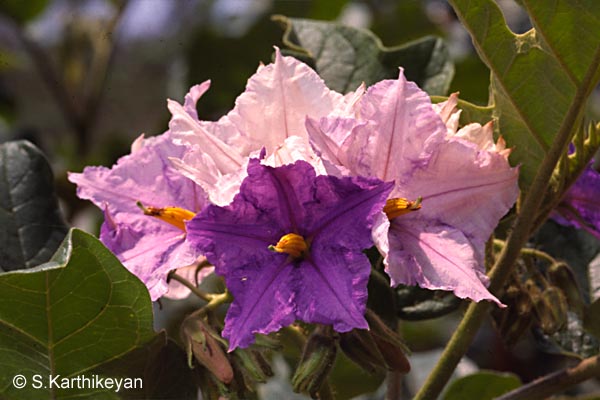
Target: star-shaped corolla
580	206
148	245
290	248
461	184
270	114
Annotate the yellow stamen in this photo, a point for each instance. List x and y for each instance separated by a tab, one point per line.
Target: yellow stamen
399	206
172	215
292	244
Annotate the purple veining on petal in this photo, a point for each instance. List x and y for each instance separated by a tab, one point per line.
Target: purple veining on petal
148	247
464	179
272	289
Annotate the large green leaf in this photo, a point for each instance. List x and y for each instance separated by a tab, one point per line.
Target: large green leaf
539	75
484	385
72	317
345	57
32	227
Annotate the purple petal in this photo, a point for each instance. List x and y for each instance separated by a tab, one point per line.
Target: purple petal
147	246
149	253
333	288
271	289
263	302
580	207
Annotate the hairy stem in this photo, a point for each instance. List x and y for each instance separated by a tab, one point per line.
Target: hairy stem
556	382
522	229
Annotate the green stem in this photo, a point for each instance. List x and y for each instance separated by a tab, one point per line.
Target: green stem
454	351
193	288
460	341
538	254
547	385
215	301
526	251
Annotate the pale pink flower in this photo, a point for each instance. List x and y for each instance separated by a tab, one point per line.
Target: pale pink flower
464	179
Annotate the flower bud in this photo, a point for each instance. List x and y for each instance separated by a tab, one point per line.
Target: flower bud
516	318
267	342
388	343
360	347
202	344
551	310
252	364
561	276
316	362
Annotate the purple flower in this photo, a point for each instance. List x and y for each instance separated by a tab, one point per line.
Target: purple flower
290	247
149	247
463	178
580	206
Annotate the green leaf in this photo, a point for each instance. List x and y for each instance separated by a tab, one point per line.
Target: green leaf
32	227
71	317
538	76
162	367
484	385
415	303
22	11
345	57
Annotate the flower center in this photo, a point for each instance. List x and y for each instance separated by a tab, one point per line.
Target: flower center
172	215
399	206
292	244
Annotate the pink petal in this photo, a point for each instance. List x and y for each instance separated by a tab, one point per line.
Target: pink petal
293	149
187	129
407	128
276	101
448	112
435	256
464	188
192	97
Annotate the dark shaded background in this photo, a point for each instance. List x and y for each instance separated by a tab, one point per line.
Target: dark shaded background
83	78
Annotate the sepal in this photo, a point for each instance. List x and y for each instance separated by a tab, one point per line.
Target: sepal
316	361
202	343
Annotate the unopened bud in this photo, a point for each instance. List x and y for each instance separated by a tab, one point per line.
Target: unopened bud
551	310
267	342
316	362
516	318
360	347
252	364
388	343
201	343
562	277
